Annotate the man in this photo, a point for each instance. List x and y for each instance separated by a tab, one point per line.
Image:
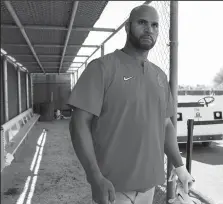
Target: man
120	124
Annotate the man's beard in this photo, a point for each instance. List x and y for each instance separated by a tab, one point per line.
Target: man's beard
136	42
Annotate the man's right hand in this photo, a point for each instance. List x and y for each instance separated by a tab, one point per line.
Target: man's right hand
103	191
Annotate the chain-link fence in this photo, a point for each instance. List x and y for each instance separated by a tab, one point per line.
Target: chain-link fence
160	54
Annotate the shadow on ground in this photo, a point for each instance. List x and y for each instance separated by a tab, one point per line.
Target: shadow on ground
212	154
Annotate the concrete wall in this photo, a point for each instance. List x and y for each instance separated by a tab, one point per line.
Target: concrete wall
52	87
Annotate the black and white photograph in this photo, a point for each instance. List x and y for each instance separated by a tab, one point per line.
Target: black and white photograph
111	102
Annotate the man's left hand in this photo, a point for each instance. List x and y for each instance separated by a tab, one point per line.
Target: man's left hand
185	178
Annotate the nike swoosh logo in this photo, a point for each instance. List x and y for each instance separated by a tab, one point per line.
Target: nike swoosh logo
180	196
127	78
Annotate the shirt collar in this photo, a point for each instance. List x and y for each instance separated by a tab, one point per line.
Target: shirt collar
123	56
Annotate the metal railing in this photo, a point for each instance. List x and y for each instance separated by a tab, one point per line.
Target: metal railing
190	127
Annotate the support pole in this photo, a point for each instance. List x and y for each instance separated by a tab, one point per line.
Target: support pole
76	76
190	128
19	90
6	104
74	80
85	65
173	74
31	87
27	91
71	81
102	50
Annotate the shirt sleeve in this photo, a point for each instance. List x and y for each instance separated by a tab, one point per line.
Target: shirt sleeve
169	103
88	92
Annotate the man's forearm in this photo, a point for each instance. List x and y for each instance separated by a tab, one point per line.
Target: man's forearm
171	148
83	146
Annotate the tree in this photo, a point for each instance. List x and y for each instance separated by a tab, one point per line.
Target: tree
218	79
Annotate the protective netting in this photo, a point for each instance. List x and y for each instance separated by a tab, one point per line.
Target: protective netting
160	54
13	102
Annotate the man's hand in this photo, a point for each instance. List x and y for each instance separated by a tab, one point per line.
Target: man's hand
186	179
103	192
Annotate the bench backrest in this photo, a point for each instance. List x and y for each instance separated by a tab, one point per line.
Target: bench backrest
12	127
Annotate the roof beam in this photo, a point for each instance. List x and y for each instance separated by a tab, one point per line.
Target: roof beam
91	46
36	73
74	11
48	45
21	55
14	63
46	73
47	27
54	62
118	29
53	68
22	30
76	62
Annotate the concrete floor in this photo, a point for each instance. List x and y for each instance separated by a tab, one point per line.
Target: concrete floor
60	177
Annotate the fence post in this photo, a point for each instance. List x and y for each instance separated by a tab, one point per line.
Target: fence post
31	87
27	91
190	128
102	50
76	76
19	89
6	104
73	79
173	37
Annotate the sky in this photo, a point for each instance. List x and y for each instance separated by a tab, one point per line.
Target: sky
200	48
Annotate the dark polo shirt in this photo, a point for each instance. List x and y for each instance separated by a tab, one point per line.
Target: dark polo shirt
130	103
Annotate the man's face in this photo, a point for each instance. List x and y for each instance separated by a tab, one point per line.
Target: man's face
143	30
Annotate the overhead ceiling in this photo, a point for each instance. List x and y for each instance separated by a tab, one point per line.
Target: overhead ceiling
45	36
